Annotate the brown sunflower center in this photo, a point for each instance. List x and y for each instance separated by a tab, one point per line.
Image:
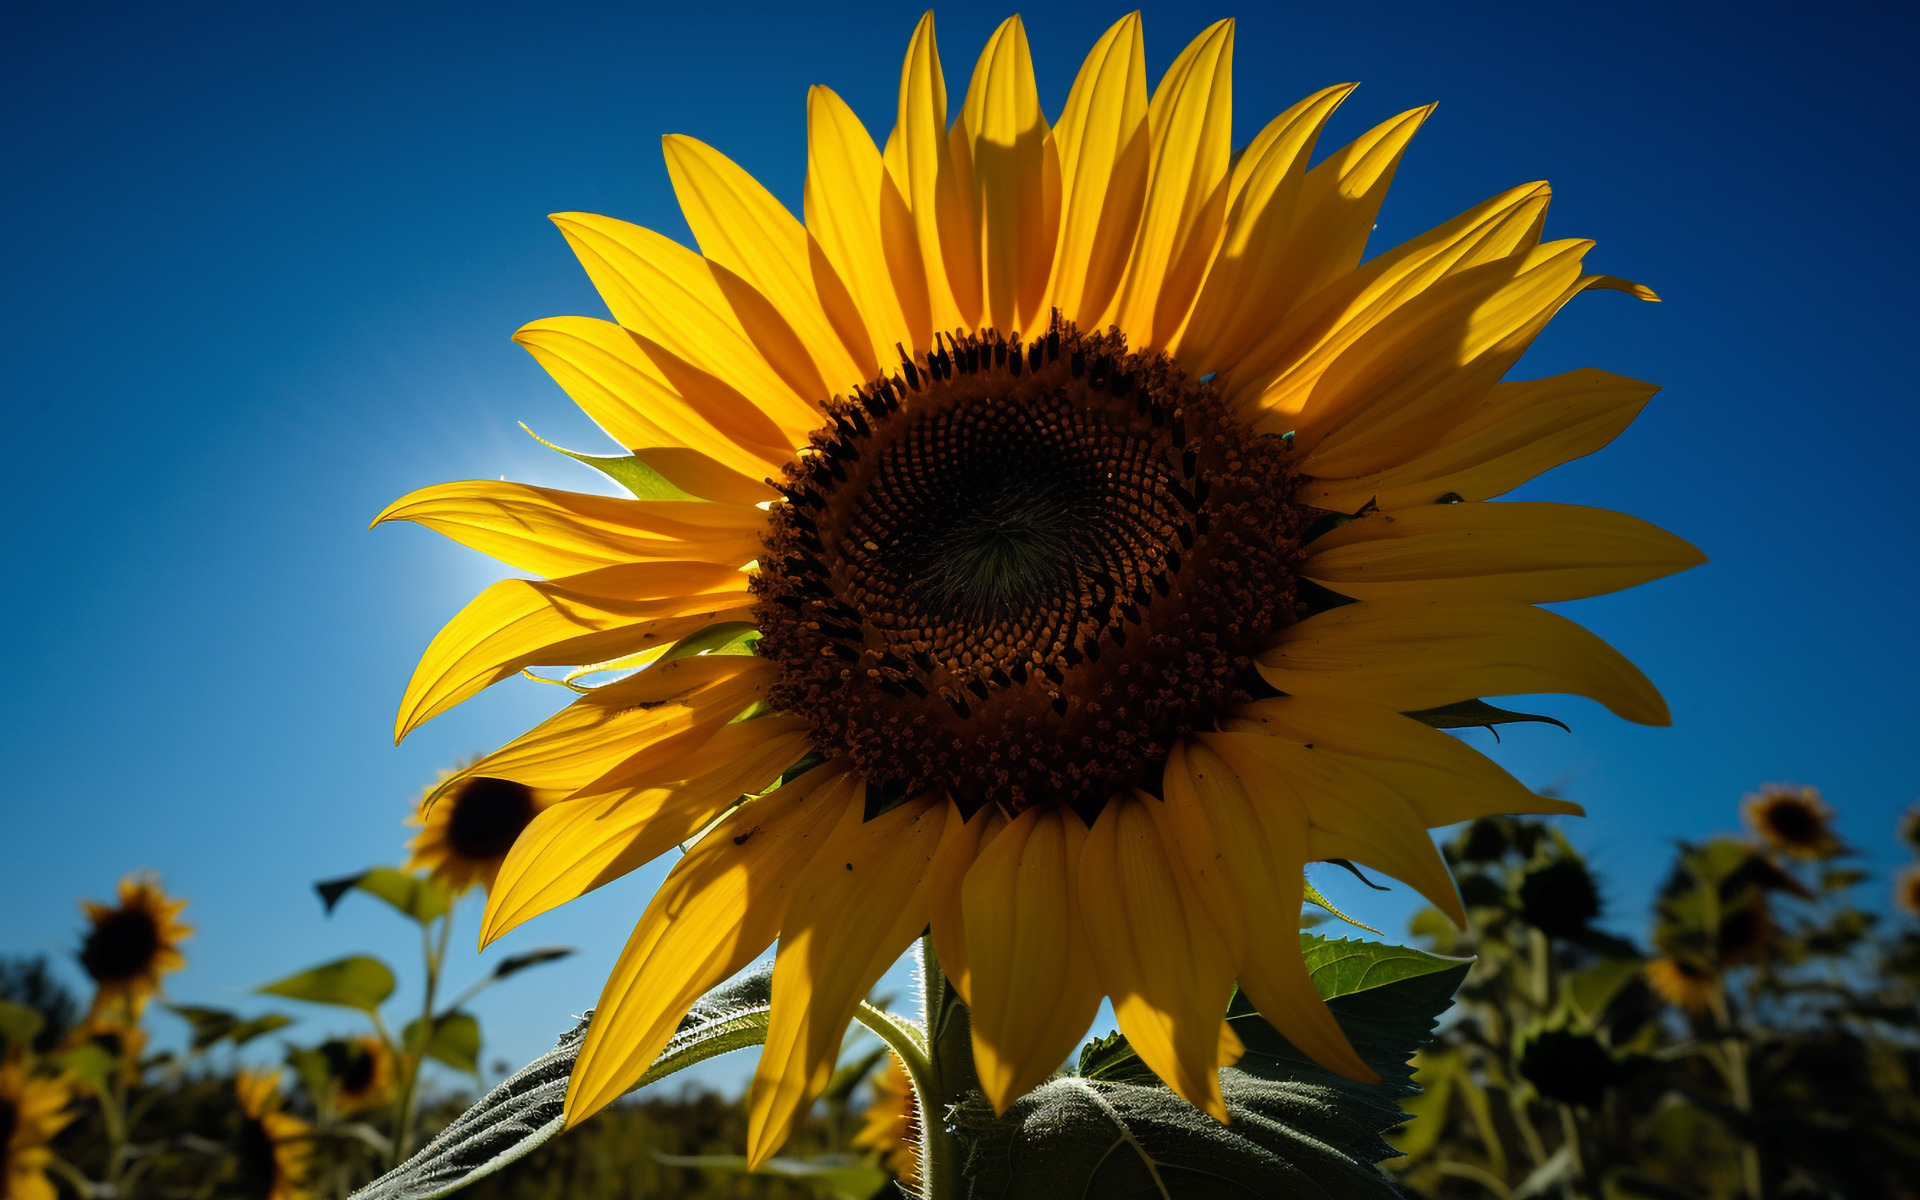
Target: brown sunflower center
254	1170
9	1121
1019	572
121	945
1793	820
488	814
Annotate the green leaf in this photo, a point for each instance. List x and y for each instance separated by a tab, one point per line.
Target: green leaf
455	1041
267	1023
90	1063
357	981
20	1024
513	964
207	1025
1314	897
624	469
727	637
839	1175
415	895
1297	1128
527	1108
1591	989
1478	714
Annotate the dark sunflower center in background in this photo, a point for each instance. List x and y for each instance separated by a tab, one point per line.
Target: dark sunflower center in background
488	814
121	945
1021	571
1793	821
254	1168
9	1121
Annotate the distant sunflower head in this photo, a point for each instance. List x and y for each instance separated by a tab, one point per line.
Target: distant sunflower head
272	1148
1793	820
1910	827
1068	507
1683	983
129	946
33	1109
361	1070
1906	889
890	1127
467	827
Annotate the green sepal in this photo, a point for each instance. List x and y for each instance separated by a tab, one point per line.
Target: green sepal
624	469
1478	714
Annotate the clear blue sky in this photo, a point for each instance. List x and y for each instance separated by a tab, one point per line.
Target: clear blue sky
261	263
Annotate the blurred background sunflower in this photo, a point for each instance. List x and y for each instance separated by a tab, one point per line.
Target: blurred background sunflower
129	946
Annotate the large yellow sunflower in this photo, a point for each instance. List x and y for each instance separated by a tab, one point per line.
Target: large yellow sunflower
274	1146
32	1110
1101	514
467	827
129	946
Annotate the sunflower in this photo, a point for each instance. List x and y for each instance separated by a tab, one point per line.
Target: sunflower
468	825
891	1120
362	1071
1682	982
32	1111
1910	826
1793	820
130	946
1906	889
1100	514
274	1146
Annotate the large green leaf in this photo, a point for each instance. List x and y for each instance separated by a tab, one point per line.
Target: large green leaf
415	895
20	1024
357	981
1296	1128
526	1109
455	1040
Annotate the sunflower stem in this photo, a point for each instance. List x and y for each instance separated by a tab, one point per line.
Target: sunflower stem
950	1054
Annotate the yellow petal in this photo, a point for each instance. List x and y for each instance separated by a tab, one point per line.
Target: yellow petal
1341	198
1414	655
742	229
1523	428
698	475
1010	155
1156	950
855	909
1191	117
1249	282
1443	778
552	532
1530	552
1105	150
577	619
1246	856
671	299
946	917
611	378
671	702
717	910
930	179
852	206
1033	987
575	846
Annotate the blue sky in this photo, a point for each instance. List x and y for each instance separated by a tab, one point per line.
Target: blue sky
262	262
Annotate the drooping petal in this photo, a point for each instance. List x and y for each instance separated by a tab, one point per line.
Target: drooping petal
1423	654
921	159
855	908
1156	950
1191	117
1523	428
959	847
577	619
1033	986
1250	280
684	700
1531	552
1011	156
1443	778
855	214
554	533
1105	150
1246	854
743	230
716	911
575	846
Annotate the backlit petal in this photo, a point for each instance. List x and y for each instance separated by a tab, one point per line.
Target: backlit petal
960	846
921	157
1105	149
851	204
1011	155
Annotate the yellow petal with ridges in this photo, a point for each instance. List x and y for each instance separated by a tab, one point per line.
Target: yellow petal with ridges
850	203
554	533
717	910
743	229
1413	655
1191	118
1341	198
961	845
1522	428
1156	950
1105	148
1033	987
855	909
930	180
575	846
1011	155
1248	283
519	623
1246	855
1443	778
1533	552
698	475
